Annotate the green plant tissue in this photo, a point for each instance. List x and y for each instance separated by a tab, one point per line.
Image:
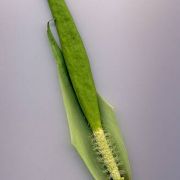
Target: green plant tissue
81	135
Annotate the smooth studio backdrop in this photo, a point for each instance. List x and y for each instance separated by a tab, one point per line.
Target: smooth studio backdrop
134	50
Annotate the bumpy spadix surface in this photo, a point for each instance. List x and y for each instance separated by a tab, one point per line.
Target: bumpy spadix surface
107	155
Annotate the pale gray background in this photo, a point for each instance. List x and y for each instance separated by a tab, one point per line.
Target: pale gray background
134	48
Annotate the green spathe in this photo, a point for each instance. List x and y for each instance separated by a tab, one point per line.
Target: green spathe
79	129
77	62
